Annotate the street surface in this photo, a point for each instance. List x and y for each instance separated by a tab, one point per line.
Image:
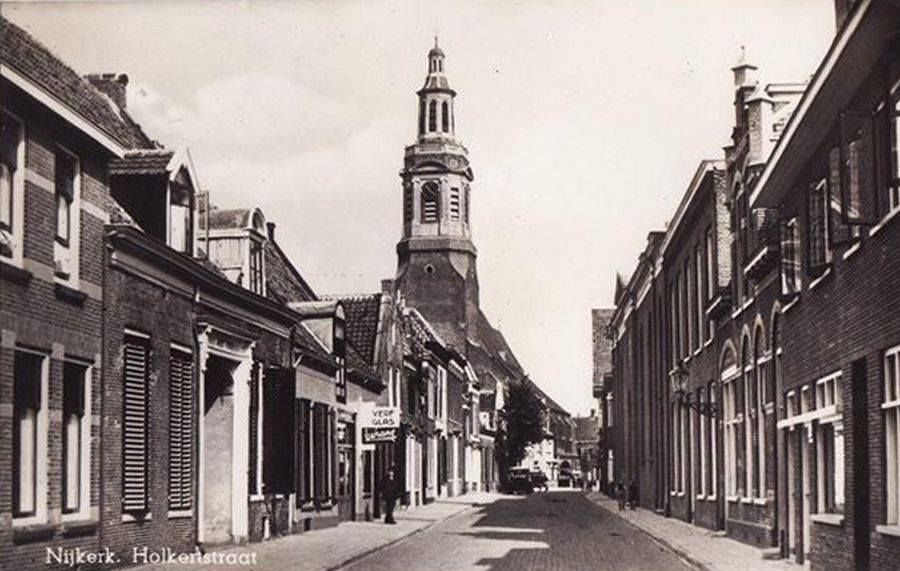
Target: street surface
544	531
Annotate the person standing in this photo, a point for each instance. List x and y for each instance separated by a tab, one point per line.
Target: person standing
633	493
620	495
389	493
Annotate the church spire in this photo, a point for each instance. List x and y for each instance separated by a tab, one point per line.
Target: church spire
436	117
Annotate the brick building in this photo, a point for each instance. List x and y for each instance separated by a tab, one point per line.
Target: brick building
58	134
601	357
769	302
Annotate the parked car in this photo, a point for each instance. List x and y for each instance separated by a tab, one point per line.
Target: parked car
519	481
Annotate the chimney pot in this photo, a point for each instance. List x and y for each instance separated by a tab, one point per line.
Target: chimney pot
270	228
387	287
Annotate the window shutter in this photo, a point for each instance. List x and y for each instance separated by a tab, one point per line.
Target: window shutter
320	419
858	188
278	422
302	450
134	425
253	429
181	431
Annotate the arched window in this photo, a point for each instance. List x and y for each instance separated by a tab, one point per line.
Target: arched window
758	416
431	202
445	117
432	116
421	116
729	375
744	438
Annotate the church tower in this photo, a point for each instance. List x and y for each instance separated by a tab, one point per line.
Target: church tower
436	256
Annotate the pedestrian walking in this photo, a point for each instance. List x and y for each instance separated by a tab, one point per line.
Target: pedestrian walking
389	491
620	495
632	493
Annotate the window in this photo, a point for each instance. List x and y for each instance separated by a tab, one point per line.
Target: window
29	436
790	261
700	321
340	354
829	445
421	116
817	227
181	214
731	422
684	311
254	430
673	305
445	117
761	390
894	178
65	247
704	450
135	368
432	116
407	203
304	451
466	204
76	430
431	196
181	429
257	280
12	186
676	444
454	204
711	277
713	444
891	408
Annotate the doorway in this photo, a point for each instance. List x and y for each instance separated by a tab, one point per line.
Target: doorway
218	422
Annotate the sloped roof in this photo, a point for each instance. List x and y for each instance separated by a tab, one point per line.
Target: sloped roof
284	283
26	55
551	404
142	162
361	315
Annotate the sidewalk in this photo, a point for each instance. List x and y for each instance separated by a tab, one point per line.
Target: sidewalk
706	549
337	546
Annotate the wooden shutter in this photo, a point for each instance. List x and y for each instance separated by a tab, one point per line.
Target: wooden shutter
320	456
278	427
134	424
838	230
181	431
253	429
301	461
859	201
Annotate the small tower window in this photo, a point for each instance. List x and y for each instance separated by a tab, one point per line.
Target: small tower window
445	117
407	204
454	204
432	116
466	204
431	209
421	116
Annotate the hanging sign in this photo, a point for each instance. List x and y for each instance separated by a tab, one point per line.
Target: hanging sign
379	424
374	435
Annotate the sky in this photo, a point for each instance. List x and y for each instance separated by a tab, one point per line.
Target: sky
584	123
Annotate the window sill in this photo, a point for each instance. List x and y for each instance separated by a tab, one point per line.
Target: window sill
14	273
68	293
815	283
139	517
884	221
893	530
80	528
733	499
181	514
852	250
790	304
748	500
760	501
836	520
33	533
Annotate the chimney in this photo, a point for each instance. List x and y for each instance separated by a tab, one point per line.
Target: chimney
387	287
270	228
112	85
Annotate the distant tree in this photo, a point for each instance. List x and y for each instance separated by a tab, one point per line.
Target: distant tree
523	421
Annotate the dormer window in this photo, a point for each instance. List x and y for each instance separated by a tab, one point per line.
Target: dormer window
181	214
340	352
257	284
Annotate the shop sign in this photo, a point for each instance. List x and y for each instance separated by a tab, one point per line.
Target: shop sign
372	435
380	417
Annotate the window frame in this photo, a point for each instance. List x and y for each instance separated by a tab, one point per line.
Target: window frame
430	197
84	467
67	251
891	415
40	512
15	232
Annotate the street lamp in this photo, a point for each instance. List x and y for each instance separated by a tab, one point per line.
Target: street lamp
679	379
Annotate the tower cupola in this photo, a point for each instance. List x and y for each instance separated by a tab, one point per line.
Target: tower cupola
436	117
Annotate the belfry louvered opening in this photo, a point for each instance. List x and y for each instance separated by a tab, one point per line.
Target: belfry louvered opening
181	429
135	365
431	197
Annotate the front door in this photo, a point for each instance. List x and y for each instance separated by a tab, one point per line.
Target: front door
346	484
805	489
218	421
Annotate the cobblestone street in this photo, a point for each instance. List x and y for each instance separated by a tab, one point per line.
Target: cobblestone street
555	531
